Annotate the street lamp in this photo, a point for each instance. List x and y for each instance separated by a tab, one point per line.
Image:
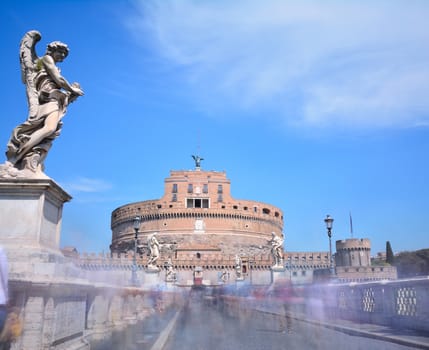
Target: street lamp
328	221
136	226
251	265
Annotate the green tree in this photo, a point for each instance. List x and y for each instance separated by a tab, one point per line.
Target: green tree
389	254
411	264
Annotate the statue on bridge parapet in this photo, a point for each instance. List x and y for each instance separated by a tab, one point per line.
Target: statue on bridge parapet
277	249
238	268
224	277
154	248
171	274
48	95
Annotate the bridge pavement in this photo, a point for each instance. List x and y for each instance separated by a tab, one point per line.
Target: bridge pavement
206	328
198	325
406	337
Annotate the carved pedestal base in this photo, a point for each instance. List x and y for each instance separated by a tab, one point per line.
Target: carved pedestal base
278	273
151	277
152	269
30	224
278	268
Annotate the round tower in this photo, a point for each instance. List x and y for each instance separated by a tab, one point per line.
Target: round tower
197	211
353	252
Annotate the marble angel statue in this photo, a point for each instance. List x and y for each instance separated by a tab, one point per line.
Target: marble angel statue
277	249
48	95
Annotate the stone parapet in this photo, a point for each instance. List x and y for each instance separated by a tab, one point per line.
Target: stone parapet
69	314
403	304
293	259
366	273
353	243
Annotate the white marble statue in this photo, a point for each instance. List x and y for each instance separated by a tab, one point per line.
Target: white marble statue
277	249
171	274
224	276
238	270
153	246
48	94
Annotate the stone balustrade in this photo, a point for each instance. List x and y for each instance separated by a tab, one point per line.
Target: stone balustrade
308	259
69	314
399	303
402	304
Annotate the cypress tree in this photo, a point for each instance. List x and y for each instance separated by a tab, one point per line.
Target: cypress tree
389	254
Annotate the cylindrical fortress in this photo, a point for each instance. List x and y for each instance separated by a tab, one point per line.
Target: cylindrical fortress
353	252
197	212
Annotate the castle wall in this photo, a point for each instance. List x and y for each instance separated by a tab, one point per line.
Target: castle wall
353	262
353	252
197	208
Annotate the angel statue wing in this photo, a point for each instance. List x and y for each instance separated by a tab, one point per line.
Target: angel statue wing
197	160
28	60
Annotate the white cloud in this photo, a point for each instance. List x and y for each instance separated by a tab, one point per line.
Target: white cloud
352	63
86	185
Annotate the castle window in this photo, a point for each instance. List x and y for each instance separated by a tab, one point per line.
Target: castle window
245	208
220	198
234	207
190	188
174	199
197	203
198	255
255	209
205	188
219	189
266	210
174	188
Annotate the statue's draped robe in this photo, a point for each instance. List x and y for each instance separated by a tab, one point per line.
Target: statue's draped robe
50	99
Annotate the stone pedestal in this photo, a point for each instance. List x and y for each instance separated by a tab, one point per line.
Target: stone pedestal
278	273
240	283
30	224
151	277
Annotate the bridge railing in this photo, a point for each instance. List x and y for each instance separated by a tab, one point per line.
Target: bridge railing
402	304
399	303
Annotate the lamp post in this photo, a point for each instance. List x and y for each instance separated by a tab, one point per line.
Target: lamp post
136	226
289	259
328	221
251	265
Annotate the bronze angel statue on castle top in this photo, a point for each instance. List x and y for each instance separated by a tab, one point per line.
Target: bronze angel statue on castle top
48	94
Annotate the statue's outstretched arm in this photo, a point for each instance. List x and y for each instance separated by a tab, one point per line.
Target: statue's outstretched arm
55	74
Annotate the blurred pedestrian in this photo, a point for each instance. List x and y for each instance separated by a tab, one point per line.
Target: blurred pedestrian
4	287
4	299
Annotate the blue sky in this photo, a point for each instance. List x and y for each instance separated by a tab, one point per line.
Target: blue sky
315	107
